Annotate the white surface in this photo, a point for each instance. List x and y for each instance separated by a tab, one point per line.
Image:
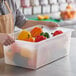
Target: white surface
62	1
37	10
54	8
16	29
34	2
27	2
52	1
70	1
73	6
28	11
46	9
43	2
63	6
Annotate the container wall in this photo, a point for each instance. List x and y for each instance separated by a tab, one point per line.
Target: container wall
35	55
21	54
53	49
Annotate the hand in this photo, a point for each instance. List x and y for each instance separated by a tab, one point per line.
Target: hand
6	39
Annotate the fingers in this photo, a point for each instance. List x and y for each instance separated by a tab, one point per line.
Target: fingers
9	41
6	43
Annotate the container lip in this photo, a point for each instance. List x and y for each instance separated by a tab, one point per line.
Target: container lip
46	39
68	30
52	38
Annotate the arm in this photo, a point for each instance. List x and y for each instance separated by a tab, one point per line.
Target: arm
20	17
23	23
30	23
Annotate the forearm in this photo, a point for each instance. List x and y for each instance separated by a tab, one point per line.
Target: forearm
30	23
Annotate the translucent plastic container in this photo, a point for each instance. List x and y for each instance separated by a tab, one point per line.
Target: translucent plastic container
34	55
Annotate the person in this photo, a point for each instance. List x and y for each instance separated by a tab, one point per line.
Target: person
21	21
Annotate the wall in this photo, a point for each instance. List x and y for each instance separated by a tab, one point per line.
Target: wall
47	6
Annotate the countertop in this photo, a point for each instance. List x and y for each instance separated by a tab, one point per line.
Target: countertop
57	16
63	67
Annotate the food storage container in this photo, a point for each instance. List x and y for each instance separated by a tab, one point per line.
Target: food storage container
63	7
52	1
34	2
28	11
36	10
25	3
54	8
61	1
45	9
37	54
43	2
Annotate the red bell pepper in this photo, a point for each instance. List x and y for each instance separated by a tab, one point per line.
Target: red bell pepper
40	38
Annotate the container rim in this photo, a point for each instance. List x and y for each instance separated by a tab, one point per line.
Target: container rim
69	30
43	40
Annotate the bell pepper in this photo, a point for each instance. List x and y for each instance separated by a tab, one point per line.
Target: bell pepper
40	38
30	39
24	35
45	34
36	31
40	17
57	32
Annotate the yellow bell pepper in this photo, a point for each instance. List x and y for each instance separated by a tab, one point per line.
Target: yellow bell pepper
24	35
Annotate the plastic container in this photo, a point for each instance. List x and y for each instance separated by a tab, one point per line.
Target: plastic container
35	55
34	2
28	11
35	8
25	3
52	1
44	2
44	8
